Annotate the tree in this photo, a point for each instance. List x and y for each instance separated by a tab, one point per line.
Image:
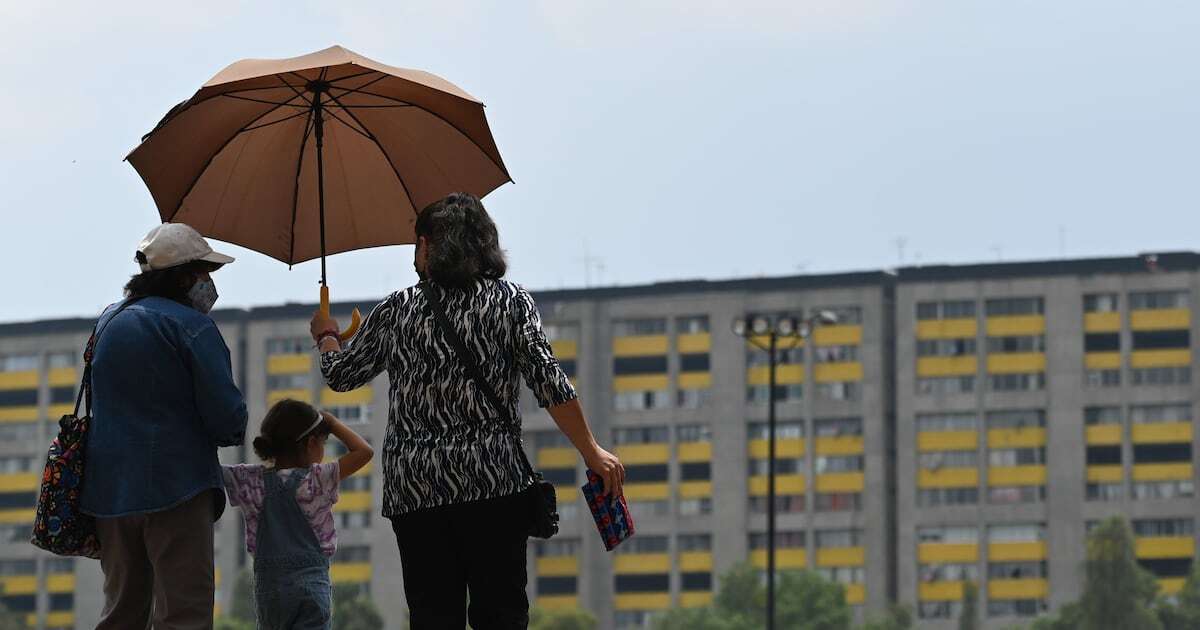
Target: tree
571	619
352	610
1183	611
1117	593
968	619
807	601
230	623
898	617
695	619
10	620
242	606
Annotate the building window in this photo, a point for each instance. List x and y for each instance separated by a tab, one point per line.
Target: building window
556	547
1162	376
1101	303
841	390
1004	307
289	345
784	503
15	464
19	431
352	553
641	400
1151	300
790	429
1016	607
1016	419
351	414
783	466
1104	492
288	381
357	483
19	362
1022	343
939	386
647	508
846	315
694	398
694	542
631	619
691	325
933	497
955	309
62	359
937	460
1008	457
695	507
640	435
837	427
639	327
838	501
1006	495
693	433
784	356
939	610
1018	382
839	463
1095	379
784	539
952	421
946	347
836	354
760	394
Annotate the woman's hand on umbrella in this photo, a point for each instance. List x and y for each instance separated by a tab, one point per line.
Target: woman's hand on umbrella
322	323
609	467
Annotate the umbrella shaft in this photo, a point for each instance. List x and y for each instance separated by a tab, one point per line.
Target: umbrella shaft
319	131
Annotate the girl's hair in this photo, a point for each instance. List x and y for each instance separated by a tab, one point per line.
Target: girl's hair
172	283
464	245
282	427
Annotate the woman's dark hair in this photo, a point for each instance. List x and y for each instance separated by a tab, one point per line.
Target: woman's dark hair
464	245
281	429
172	283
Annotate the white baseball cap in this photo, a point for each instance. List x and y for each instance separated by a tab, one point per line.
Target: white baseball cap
174	244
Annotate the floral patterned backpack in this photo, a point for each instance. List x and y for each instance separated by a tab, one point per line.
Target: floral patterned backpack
59	526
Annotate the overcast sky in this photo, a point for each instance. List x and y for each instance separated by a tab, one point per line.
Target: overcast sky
697	139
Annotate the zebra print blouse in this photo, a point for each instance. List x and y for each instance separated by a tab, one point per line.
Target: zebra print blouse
444	443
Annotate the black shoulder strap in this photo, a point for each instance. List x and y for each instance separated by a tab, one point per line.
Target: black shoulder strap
468	361
85	383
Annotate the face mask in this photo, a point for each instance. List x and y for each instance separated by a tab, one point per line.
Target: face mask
203	295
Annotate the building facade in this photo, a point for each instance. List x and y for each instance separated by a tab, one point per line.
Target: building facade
963	423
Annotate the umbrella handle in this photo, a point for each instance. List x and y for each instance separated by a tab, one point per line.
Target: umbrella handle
355	317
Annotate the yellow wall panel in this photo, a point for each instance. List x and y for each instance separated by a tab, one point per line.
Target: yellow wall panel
695	380
20	515
1166	547
1029	588
19	584
1103	434
758	342
1017	551
841	557
350	572
947	441
558	602
840	482
947	328
640	346
1161	433
62	377
1162	472
1161	319
789	447
19	380
1016	363
841	445
641	383
838	335
565	348
695	599
948	478
697	451
642	601
642	563
947	366
1016	325
695	489
647	491
353	502
784	484
789	374
1102	322
1017	476
855	593
360	396
693	343
275	396
1160	358
566	494
289	364
1102	360
20	414
838	372
644	453
1171	586
60	582
695	561
1112	473
54	412
557	565
60	619
784	558
947	553
16	482
564	457
1028	437
940	591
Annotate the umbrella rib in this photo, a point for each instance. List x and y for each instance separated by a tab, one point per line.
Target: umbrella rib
435	115
263	101
363	86
276	122
378	145
355	76
208	163
296	185
352	127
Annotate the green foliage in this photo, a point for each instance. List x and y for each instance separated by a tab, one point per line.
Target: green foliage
803	601
229	623
1182	612
969	618
898	617
573	619
354	611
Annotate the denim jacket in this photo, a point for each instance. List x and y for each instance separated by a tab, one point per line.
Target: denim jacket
163	401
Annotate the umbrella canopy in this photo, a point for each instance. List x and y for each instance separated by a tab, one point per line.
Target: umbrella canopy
240	160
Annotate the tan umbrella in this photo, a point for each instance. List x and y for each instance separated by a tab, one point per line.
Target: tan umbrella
314	155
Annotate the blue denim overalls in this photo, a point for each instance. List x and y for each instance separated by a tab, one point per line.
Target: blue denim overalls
291	576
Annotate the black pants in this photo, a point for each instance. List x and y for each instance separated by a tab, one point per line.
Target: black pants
478	547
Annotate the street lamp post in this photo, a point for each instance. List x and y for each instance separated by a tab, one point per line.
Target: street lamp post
795	331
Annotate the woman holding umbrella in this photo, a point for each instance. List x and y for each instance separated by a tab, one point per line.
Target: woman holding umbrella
452	473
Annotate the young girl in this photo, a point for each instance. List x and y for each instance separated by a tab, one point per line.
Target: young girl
288	509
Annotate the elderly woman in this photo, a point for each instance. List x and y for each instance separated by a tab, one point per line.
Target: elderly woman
452	472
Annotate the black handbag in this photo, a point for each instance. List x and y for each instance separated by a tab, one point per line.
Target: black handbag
540	499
